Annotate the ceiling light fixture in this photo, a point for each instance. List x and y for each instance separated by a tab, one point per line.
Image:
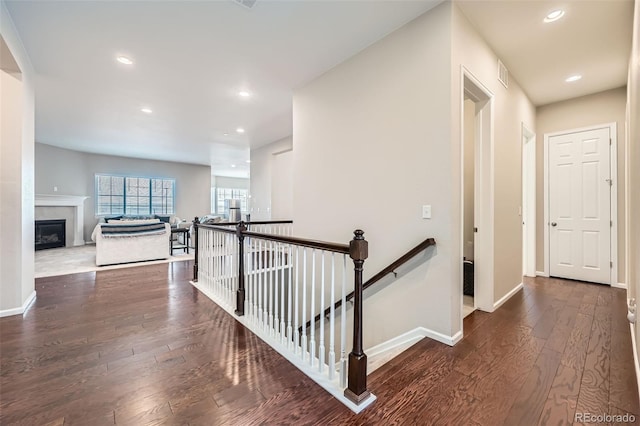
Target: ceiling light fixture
146	110
248	161
233	165
573	78
225	134
124	60
554	16
240	130
244	94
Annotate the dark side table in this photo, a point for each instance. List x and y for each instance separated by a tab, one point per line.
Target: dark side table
176	244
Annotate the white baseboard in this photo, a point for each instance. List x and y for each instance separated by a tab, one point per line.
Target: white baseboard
21	309
379	354
619	285
507	296
541	274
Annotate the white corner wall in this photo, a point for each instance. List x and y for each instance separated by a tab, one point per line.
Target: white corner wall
633	173
371	145
262	160
17	287
512	108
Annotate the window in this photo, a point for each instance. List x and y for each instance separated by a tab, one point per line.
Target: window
134	195
222	194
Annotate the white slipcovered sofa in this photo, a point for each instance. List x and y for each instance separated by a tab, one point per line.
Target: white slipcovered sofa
128	241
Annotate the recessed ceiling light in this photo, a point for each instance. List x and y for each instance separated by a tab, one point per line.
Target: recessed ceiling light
554	16
240	130
146	110
225	134
244	94
124	60
233	165
248	161
573	78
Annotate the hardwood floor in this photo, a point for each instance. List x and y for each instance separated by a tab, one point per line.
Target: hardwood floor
141	346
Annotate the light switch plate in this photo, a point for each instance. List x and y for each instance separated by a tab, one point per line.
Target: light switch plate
426	212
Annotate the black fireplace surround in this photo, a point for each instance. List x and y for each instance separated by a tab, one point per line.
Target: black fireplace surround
50	234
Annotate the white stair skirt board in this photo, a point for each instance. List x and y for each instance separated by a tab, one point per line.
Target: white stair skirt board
331	386
379	355
619	285
507	296
21	309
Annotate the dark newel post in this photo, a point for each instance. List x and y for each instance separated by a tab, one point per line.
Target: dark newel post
356	389
195	244
240	229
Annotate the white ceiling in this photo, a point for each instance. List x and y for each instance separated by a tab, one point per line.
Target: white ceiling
192	57
190	60
592	39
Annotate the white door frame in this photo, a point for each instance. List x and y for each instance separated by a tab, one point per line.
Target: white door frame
528	202
483	191
613	160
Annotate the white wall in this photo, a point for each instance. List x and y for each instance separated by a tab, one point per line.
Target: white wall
633	167
600	108
77	177
512	108
16	176
371	145
230	182
282	185
261	177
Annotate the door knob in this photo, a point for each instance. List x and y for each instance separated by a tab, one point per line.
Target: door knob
553	224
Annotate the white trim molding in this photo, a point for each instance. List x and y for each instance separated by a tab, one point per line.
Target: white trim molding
619	285
77	201
634	348
541	274
20	310
507	296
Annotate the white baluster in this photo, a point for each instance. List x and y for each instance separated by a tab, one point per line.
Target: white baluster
289	306
312	332
322	319
296	324
332	349
271	277
303	341
282	307
343	326
260	263
276	300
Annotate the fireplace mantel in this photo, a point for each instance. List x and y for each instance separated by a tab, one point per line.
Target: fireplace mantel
77	201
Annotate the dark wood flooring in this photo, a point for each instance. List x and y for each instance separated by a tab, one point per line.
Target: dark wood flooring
141	346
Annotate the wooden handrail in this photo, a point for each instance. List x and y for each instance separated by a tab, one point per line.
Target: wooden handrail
377	277
322	245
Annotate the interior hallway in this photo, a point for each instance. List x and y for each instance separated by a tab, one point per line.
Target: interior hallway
141	346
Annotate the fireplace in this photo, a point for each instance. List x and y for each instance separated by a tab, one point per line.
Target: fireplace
50	234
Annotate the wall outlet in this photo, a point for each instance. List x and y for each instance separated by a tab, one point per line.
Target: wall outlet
426	212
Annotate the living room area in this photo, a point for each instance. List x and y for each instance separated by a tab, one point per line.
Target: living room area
85	201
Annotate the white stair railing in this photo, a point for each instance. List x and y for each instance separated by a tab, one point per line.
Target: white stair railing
276	283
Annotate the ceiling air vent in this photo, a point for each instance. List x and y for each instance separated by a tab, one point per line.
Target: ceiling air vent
503	74
246	3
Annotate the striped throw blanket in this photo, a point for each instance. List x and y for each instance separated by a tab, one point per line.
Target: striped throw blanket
125	230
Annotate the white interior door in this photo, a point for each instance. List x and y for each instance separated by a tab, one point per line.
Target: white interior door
580	206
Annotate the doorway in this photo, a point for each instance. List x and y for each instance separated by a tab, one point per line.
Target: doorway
477	195
581	204
528	202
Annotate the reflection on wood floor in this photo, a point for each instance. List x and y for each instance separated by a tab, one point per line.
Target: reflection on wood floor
141	346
